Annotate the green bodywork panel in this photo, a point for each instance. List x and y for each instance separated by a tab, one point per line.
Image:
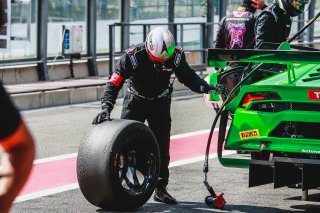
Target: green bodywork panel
212	78
247	120
217	64
251	128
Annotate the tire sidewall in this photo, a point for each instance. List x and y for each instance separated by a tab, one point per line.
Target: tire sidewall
97	176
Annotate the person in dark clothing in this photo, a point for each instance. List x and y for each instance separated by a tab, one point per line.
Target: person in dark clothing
148	68
274	23
236	31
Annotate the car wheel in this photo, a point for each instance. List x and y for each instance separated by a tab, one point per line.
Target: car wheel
118	164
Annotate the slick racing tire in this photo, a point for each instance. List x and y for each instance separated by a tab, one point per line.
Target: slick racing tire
118	164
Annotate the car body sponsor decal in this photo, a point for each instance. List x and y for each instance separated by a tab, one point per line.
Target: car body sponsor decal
249	134
314	95
310	151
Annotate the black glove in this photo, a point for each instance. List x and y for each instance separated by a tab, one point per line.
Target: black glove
222	89
104	115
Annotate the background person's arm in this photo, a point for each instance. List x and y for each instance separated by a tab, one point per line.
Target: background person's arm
264	28
220	41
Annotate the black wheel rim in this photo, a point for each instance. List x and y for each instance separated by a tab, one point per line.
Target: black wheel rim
135	166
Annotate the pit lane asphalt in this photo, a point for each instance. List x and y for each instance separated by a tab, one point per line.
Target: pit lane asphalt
59	131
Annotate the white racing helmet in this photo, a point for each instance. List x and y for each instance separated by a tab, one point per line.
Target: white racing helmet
160	44
294	7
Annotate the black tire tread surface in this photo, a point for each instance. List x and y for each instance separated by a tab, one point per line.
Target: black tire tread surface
96	177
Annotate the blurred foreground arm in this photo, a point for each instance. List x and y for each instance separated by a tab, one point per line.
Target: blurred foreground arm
18	152
16	164
16	143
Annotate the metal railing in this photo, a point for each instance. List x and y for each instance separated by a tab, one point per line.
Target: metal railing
177	30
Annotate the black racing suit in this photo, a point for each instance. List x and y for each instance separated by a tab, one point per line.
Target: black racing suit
9	115
236	31
272	25
149	94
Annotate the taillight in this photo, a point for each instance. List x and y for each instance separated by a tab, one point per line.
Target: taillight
258	96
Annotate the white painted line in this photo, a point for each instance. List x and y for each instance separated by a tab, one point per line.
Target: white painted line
72	155
55	158
47	192
197	159
56	190
189	134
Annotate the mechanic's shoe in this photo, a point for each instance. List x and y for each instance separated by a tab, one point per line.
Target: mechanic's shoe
161	195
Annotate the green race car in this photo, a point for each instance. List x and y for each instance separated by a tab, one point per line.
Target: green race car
274	113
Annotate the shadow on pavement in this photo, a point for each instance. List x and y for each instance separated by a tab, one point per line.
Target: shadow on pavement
307	208
202	207
311	197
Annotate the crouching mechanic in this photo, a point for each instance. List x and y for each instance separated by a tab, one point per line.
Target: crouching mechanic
148	67
17	152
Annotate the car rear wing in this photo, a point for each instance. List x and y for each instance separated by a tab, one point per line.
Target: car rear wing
219	57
